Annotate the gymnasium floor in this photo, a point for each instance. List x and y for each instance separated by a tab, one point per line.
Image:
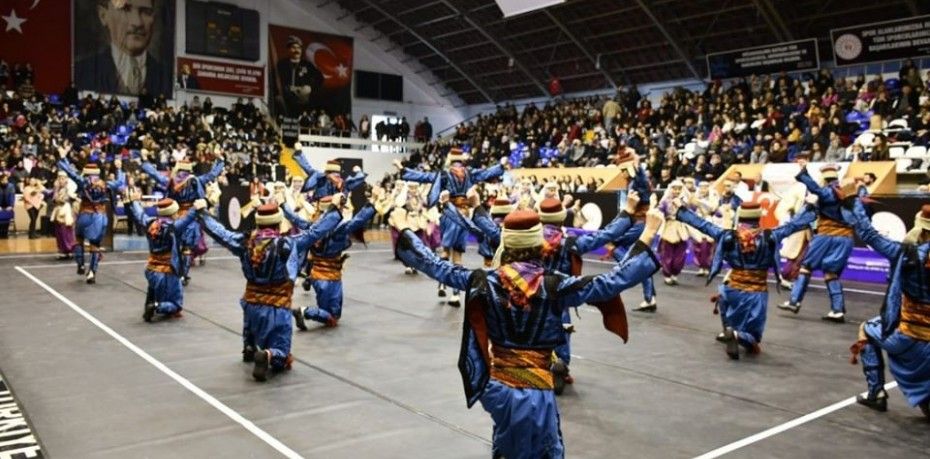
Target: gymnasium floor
385	384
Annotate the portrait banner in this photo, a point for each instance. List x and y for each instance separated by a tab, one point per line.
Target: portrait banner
220	77
27	23
309	71
124	46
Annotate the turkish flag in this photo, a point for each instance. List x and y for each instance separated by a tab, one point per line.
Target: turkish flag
38	32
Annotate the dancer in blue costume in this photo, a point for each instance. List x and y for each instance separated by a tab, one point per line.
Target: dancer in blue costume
270	262
832	243
513	321
457	180
165	294
327	257
185	188
636	179
330	181
902	329
92	221
750	251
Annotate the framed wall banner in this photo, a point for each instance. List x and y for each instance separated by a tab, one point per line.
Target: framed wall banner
881	41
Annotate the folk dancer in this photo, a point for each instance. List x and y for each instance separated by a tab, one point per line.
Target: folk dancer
831	244
92	220
165	295
750	251
457	179
634	174
185	187
704	203
902	329
330	181
794	247
63	216
328	258
513	321
270	262
673	238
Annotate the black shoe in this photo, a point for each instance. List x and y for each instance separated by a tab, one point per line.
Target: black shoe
837	317
91	277
248	354
721	337
299	318
454	300
559	374
185	280
307	285
63	256
925	408
732	343
80	270
442	292
262	365
149	311
877	402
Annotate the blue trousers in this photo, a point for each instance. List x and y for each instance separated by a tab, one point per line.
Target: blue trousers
328	301
564	351
268	328
89	226
526	422
908	359
164	289
829	254
649	287
189	239
744	312
454	236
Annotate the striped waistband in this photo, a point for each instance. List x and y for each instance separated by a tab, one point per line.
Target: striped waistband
160	262
275	295
327	268
831	227
97	207
915	319
749	280
522	368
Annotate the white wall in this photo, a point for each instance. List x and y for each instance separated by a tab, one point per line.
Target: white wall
420	99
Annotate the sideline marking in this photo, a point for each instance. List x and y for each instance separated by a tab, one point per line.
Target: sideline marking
783	427
70	263
229	412
821	287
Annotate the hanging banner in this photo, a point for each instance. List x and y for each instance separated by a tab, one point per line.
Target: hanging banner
123	47
309	71
26	24
792	56
882	41
221	77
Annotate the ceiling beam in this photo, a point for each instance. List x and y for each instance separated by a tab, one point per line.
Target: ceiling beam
668	37
773	19
429	44
536	81
584	49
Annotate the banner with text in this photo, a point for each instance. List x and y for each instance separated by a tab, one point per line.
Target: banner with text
220	77
794	56
882	41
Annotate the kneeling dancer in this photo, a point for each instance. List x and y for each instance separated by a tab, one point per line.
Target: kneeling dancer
750	251
513	321
164	270
270	262
902	329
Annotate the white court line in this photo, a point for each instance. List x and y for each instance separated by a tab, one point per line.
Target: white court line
229	412
70	263
783	427
821	287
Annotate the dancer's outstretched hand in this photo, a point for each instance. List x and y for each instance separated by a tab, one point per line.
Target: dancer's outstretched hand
632	200
200	204
654	219
339	199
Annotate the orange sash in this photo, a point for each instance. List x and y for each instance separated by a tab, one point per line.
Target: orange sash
830	227
522	368
749	280
915	319
274	295
329	269
93	207
160	263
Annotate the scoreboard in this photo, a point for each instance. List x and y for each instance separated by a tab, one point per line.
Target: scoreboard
222	30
